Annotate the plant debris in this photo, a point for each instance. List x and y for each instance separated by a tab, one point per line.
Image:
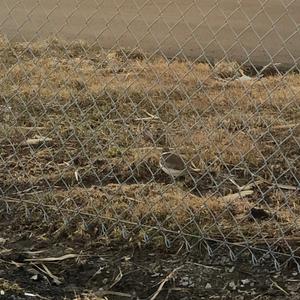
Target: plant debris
81	133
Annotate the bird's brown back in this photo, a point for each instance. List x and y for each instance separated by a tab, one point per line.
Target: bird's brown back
173	161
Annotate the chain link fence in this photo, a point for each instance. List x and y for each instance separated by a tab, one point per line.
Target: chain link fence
172	122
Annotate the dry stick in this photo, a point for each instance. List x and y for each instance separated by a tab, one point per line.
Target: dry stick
251	185
279	287
259	295
157	148
164	282
52	259
42	271
149	118
28	127
180	248
36	141
286	126
238	195
153	118
35	295
26	191
117	279
205	266
287	187
55	279
147	148
112	293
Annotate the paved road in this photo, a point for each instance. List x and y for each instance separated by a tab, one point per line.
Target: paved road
216	28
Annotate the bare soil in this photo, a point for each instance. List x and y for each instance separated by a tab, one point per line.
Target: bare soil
102	270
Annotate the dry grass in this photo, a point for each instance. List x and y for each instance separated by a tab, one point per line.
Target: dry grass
109	114
7	286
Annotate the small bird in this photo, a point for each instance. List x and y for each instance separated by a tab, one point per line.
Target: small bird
174	165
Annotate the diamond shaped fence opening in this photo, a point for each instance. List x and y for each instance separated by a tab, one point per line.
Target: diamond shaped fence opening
176	120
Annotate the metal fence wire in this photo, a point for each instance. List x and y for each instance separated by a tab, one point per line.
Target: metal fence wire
172	121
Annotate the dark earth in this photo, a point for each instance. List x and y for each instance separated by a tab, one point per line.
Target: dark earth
97	269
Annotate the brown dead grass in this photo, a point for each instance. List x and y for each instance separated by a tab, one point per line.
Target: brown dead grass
109	114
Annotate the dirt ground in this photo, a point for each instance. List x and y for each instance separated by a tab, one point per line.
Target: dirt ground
81	133
33	267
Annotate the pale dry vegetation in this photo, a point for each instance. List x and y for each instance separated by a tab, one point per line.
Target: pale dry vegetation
107	115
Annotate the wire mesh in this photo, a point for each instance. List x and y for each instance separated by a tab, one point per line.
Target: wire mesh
145	119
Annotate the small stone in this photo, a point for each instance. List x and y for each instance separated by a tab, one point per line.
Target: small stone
245	281
186	281
232	285
2	292
208	286
294	274
127	258
34	277
231	269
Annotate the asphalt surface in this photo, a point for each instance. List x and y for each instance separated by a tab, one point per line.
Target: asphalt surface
262	31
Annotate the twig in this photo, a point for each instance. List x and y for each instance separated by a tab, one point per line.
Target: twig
25	191
28	127
42	271
259	295
52	259
55	279
117	279
233	182
149	118
150	115
35	296
271	184
238	195
112	293
147	148
248	186
36	141
270	65
180	248
286	126
279	287
287	187
292	280
204	266
132	199
146	118
96	273
164	282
